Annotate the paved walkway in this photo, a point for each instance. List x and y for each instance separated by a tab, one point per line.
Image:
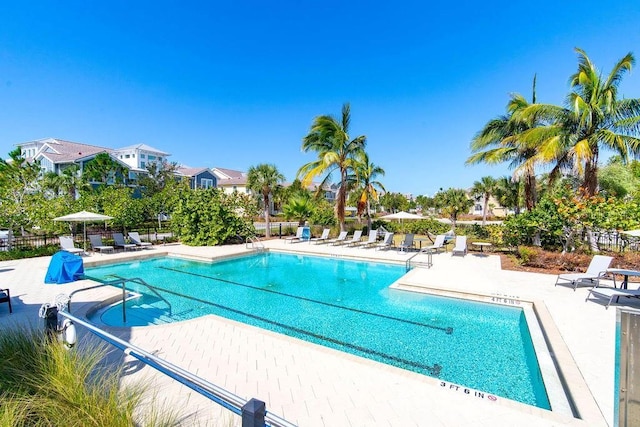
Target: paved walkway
311	385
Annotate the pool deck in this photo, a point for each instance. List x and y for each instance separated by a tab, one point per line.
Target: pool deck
311	385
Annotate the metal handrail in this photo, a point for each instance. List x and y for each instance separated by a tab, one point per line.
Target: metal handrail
429	262
140	281
211	391
255	243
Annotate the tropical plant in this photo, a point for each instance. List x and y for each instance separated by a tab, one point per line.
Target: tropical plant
594	118
366	186
329	138
262	180
502	140
300	207
104	170
452	203
507	193
19	182
484	189
394	202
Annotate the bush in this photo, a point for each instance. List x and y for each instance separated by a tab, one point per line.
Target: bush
29	253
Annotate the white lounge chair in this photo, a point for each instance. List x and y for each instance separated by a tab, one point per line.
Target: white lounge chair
323	238
66	244
612	293
372	240
357	236
296	238
96	244
342	237
387	242
118	241
438	244
407	243
460	247
597	268
134	238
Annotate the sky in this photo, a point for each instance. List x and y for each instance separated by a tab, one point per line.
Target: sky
236	84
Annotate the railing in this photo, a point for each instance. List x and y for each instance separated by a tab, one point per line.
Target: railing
253	411
428	263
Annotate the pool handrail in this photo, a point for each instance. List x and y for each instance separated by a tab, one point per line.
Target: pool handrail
223	397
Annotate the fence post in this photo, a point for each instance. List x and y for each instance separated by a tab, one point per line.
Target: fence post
253	413
280	231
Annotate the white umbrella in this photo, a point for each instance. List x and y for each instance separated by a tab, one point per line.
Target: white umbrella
634	233
84	217
401	216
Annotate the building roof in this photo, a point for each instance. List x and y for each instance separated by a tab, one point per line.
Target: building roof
144	147
187	171
228	173
60	151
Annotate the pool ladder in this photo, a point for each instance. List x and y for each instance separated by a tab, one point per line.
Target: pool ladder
254	243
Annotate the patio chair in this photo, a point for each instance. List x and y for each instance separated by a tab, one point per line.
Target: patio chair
96	244
460	247
66	243
323	238
342	237
118	242
134	238
296	238
387	242
612	293
407	243
438	244
372	240
357	235
597	268
5	296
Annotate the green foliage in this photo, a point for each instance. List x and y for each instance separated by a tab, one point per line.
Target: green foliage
393	202
544	219
452	203
208	217
323	214
118	202
44	384
300	207
104	170
617	180
29	252
526	254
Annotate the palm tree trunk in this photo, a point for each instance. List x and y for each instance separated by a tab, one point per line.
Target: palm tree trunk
484	209
591	178
342	199
267	231
530	191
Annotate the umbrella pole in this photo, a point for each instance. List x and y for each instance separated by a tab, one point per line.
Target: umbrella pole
85	236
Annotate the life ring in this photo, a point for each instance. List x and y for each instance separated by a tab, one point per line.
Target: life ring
68	333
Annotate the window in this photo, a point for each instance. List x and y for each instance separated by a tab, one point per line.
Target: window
142	156
206	183
150	157
126	156
143	165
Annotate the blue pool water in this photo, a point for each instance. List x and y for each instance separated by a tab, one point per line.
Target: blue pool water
346	305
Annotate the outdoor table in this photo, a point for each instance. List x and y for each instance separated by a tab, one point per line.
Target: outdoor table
481	244
625	273
423	239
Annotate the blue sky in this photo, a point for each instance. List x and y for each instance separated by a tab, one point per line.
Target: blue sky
235	84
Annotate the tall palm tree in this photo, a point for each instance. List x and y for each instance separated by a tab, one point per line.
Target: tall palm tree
501	140
329	137
593	118
263	179
367	186
485	189
508	193
452	203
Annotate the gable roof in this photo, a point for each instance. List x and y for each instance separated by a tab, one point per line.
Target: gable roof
60	151
143	147
187	171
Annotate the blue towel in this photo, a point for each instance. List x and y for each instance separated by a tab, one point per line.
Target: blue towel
64	267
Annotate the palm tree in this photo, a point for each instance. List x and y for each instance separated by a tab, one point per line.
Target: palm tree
485	189
329	137
367	186
452	203
594	118
262	179
501	140
508	193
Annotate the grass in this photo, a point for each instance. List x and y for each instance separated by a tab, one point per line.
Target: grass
44	384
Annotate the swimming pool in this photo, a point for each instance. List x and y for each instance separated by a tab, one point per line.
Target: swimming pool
347	305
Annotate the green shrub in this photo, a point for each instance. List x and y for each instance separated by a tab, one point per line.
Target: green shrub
29	253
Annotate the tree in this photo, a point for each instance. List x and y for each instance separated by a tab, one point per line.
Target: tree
158	176
19	180
104	169
68	184
300	207
502	140
367	186
594	118
508	193
452	203
484	189
329	138
262	179
394	202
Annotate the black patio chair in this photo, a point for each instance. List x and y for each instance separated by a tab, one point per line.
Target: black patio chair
5	296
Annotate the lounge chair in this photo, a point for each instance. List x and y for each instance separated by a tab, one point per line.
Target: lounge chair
5	296
372	240
407	243
342	237
597	268
134	238
296	238
460	247
612	293
387	242
66	243
118	242
323	238
96	244
438	244
357	236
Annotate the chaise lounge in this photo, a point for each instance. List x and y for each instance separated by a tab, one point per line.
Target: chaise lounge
597	268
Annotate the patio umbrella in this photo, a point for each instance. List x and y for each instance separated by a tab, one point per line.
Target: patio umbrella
634	233
402	215
84	217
